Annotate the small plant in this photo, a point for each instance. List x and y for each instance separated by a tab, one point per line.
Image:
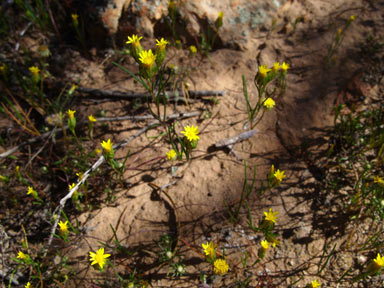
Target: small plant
263	79
338	39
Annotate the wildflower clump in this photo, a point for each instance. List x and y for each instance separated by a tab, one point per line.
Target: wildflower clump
145	58
98	258
220	267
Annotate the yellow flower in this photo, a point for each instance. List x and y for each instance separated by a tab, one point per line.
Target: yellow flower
71	113
171	5
75	17
44	51
279	175
378	262
34	70
276	66
271	216
284	67
193	49
191	133
263	249
80	175
339	31
21	255
178	42
275	242
63	227
134	40
162	43
2	68
171	155
378	180
91	118
352	18
314	284
265	244
70	187
269	103
72	89
263	70
31	191
107	146
98	257
209	249
28	285
219	20
220	267
147	58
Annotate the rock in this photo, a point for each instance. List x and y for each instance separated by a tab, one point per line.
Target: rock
362	260
240	22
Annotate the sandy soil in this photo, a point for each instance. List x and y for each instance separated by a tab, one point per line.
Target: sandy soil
291	137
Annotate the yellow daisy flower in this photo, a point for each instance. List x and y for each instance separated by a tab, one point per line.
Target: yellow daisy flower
63	227
134	40
171	155
284	67
71	113
147	58
161	44
209	249
271	216
220	267
263	71
107	146
279	175
191	133
269	103
21	255
98	258
91	118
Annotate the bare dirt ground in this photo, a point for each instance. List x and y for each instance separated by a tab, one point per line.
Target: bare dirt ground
291	136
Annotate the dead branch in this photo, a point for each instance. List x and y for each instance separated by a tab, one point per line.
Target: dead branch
233	140
118	95
101	119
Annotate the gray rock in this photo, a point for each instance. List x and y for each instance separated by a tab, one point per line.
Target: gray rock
241	15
